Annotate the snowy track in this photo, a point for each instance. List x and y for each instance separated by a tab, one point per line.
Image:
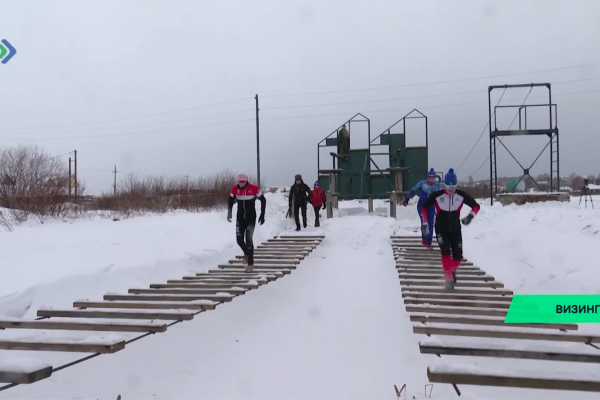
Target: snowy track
469	322
121	317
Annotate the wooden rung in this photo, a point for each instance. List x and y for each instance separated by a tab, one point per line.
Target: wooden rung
484	278
235	292
249	277
437	271
456	296
236	271
23	371
148	305
103	347
457	311
273	257
167	297
171	315
435	267
426	262
261	266
459	303
477	351
458	284
498	292
197	285
218	281
48	324
463	378
286	240
486	321
301	236
555	337
268	261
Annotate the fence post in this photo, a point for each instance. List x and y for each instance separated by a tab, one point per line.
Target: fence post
393	204
370	200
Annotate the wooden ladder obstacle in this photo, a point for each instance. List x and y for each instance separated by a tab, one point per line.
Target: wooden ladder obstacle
151	310
476	309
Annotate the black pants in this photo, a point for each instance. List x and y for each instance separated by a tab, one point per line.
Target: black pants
244	232
317	209
297	207
450	242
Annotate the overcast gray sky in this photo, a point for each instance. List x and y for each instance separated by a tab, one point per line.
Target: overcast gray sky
128	82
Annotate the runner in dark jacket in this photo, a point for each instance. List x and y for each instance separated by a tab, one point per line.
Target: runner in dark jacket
448	202
246	195
299	195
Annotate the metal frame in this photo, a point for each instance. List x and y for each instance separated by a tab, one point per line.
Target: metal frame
551	132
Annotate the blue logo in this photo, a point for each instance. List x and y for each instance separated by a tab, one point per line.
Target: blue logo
6	48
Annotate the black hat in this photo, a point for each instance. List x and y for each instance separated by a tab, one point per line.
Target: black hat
298	177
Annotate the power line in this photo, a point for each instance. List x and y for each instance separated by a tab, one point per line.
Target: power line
130	118
433	83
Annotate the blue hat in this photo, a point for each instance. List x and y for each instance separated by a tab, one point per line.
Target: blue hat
431	173
450	178
317	183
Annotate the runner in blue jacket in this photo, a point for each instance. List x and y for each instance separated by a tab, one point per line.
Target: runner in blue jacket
423	189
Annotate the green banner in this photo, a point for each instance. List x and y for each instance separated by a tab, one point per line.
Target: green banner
553	308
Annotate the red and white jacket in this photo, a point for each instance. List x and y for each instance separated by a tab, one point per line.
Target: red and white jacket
447	207
246	200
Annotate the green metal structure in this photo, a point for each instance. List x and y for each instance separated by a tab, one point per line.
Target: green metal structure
354	176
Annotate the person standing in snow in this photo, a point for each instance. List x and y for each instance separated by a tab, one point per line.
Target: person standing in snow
299	195
448	202
424	189
318	201
343	141
246	194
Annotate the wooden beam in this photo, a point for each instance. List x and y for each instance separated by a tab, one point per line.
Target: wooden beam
301	236
477	351
434	267
427	262
457	311
204	277
556	337
268	261
235	292
185	284
459	303
48	324
259	266
19	375
105	347
218	281
512	381
455	296
273	257
167	297
459	284
437	271
486	321
171	315
459	277
242	272
499	292
148	305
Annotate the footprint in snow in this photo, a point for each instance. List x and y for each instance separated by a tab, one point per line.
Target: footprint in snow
108	268
380	252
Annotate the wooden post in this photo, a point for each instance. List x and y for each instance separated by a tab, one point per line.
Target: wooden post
329	205
370	200
335	202
393	204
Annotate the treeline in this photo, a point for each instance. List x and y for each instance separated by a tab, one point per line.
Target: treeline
35	184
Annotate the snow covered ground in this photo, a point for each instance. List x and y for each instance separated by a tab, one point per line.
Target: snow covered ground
335	328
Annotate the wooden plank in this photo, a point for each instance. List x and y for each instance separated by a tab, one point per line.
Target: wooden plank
273	257
166	297
459	277
267	261
456	296
218	281
486	321
148	305
459	284
121	314
437	271
478	351
459	303
288	240
47	324
301	236
435	267
249	277
457	311
258	266
19	375
254	271
555	337
106	347
499	292
427	262
197	285
463	378
236	292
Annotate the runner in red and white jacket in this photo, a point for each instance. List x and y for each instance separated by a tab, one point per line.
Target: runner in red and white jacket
448	203
246	195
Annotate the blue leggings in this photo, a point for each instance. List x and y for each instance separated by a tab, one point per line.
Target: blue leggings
430	222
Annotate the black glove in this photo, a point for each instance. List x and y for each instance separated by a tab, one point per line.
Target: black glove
467	220
229	215
261	219
324	207
405	202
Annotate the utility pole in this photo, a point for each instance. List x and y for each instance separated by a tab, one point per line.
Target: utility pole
115	181
187	183
76	183
69	176
257	144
